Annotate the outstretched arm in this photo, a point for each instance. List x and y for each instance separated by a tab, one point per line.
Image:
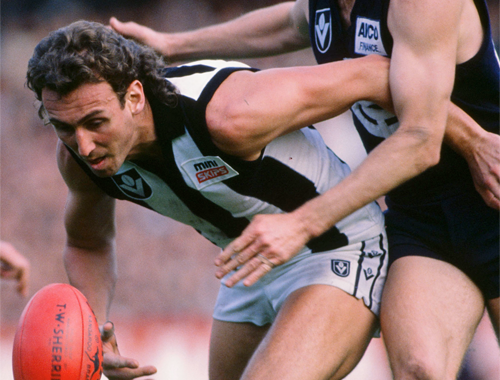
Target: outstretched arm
89	257
242	122
89	252
277	29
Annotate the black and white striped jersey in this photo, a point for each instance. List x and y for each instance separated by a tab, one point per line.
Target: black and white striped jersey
218	194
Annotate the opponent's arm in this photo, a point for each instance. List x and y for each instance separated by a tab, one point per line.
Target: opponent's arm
481	149
277	29
421	78
89	258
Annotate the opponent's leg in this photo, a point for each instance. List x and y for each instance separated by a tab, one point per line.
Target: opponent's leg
494	312
430	311
482	361
231	346
320	332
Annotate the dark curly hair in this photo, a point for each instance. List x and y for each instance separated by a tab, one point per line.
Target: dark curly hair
89	52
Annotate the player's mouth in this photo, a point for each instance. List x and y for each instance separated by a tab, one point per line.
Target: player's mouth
97	163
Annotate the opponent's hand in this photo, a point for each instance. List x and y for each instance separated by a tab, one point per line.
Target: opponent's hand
115	366
142	34
485	169
13	265
268	241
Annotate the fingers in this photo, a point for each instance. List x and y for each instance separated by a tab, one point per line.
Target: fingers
23	281
125	28
14	266
490	199
266	261
129	373
107	331
132	30
239	246
238	253
113	361
115	366
268	241
252	268
251	272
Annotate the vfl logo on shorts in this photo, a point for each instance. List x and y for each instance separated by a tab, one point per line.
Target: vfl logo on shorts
323	29
204	171
341	268
132	184
368	39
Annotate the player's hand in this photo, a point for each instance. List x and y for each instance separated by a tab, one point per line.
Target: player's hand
13	265
115	366
485	169
142	34
268	241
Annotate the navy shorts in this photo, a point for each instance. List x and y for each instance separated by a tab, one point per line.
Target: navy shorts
461	230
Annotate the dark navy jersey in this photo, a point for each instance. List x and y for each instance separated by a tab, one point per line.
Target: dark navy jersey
197	184
476	88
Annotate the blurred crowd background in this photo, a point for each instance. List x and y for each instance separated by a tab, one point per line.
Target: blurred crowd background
166	271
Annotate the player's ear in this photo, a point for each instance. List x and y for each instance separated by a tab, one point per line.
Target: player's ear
135	97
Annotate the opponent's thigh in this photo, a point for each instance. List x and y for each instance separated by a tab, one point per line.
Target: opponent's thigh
430	310
494	312
231	346
321	332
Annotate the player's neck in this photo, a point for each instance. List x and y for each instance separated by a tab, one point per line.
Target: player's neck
345	7
146	145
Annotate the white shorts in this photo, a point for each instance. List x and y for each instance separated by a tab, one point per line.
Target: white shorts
358	269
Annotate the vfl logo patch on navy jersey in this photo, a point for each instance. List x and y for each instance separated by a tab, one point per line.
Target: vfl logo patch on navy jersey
368	39
323	29
341	268
133	185
204	171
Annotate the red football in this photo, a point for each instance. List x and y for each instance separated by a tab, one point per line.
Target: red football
57	337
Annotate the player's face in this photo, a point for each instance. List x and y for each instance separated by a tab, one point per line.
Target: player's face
92	122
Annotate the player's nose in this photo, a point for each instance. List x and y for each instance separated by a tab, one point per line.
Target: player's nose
84	141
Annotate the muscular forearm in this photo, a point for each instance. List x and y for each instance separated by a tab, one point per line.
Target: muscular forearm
93	272
462	132
267	31
480	149
394	161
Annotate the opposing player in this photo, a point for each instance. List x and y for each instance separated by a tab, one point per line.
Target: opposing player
443	237
200	143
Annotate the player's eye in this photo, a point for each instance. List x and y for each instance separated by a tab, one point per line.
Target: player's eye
62	129
95	123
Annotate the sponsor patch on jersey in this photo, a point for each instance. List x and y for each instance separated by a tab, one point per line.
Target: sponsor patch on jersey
204	171
323	29
132	184
368	39
341	268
